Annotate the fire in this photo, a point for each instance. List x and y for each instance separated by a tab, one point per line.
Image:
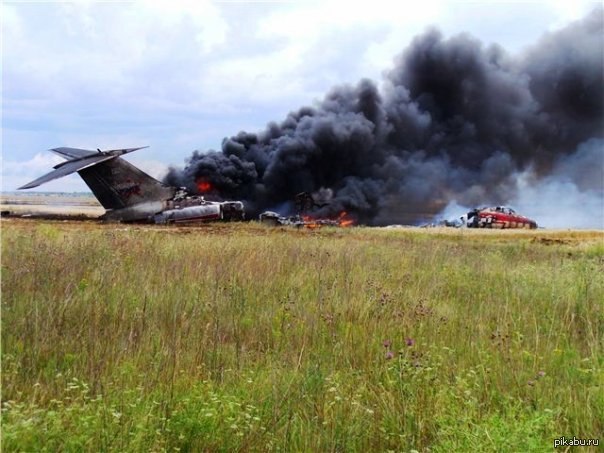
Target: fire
344	221
309	222
203	186
341	221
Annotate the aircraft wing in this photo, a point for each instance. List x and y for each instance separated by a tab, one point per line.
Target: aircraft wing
72	153
68	168
76	153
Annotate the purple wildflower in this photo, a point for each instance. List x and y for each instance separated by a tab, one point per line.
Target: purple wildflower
409	342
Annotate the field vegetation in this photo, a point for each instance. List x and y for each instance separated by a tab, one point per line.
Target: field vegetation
238	337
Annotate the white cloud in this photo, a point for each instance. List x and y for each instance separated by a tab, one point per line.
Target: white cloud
310	21
106	48
17	173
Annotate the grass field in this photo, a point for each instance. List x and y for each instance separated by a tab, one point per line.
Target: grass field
237	337
50	204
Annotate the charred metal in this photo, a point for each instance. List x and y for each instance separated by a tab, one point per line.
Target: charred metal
303	221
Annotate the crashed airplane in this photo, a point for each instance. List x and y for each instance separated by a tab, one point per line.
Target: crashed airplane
130	195
498	217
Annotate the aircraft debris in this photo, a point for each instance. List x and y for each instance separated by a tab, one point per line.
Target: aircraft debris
500	217
303	221
130	195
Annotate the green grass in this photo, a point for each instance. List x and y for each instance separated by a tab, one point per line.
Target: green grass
239	337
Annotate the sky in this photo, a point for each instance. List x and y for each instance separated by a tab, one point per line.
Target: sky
180	76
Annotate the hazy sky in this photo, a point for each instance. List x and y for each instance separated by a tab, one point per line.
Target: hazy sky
180	76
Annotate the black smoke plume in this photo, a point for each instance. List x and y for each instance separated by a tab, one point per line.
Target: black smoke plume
453	120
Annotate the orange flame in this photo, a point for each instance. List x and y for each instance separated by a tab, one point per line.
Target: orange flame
309	222
345	222
341	221
203	186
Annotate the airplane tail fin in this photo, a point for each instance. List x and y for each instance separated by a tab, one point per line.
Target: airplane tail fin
119	184
114	182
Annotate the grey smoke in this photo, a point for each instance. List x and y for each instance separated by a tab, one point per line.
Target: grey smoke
453	120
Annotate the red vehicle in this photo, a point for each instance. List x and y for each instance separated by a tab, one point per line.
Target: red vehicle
498	217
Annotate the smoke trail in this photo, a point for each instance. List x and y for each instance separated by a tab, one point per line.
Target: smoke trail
452	120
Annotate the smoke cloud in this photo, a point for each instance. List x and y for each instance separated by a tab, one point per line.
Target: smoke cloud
452	121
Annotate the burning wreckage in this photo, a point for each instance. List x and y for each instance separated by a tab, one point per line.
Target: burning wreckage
184	208
491	217
498	217
303	221
305	203
130	195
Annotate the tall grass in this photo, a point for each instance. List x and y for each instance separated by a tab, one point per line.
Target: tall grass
238	337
